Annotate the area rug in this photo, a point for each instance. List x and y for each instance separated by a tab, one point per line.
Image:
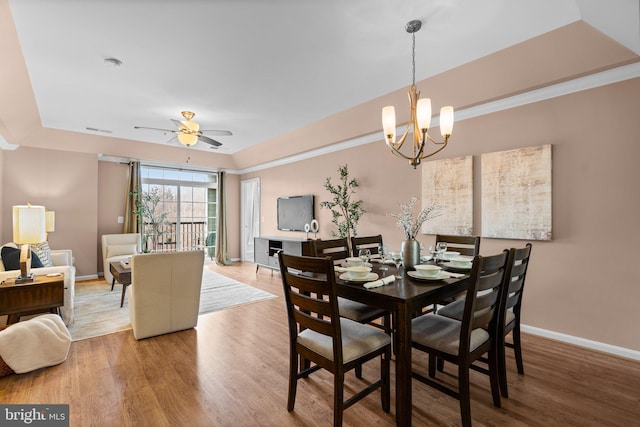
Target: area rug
98	312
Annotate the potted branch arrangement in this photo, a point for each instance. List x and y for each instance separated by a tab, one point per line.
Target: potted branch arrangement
345	212
411	225
151	220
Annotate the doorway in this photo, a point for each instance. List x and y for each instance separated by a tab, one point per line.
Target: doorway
250	214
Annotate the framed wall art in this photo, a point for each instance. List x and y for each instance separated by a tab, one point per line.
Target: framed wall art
516	193
449	184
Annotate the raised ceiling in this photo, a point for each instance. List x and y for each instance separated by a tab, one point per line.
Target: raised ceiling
262	68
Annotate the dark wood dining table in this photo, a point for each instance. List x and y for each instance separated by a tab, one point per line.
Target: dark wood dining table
403	297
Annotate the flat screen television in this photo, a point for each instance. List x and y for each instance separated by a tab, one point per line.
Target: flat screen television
294	212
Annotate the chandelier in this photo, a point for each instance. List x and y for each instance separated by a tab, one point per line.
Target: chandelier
419	118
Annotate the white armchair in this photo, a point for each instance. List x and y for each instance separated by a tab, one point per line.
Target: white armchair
164	295
118	247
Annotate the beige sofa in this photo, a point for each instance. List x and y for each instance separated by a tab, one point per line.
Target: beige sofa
164	295
118	247
62	260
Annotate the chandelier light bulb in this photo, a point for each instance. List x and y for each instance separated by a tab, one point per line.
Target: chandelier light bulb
389	123
446	121
423	112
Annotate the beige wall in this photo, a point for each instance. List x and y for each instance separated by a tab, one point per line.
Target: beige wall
112	190
64	182
573	286
233	215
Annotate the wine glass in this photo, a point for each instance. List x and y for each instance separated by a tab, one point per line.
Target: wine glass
364	255
441	248
383	251
396	257
434	253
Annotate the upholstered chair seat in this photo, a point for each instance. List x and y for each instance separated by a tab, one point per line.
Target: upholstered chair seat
358	340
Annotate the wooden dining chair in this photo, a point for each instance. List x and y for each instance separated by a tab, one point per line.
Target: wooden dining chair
463	342
372	243
466	245
318	333
509	316
338	250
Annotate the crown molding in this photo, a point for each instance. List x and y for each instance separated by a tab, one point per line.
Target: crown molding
591	81
4	145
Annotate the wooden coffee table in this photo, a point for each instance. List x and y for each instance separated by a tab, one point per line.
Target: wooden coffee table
44	294
122	275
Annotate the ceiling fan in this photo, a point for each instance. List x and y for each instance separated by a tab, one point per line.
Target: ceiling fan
189	132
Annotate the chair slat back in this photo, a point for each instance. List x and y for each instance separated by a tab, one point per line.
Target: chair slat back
310	295
336	249
466	245
372	243
482	301
512	298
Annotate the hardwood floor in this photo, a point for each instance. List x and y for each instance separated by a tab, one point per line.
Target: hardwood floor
232	371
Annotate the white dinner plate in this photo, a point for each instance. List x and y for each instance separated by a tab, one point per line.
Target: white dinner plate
368	278
456	267
441	275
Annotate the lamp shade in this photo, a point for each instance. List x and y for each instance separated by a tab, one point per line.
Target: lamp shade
50	221
29	224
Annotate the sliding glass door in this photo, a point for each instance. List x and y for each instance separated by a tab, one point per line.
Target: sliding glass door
185	207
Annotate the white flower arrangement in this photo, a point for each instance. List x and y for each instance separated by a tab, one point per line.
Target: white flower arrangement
409	224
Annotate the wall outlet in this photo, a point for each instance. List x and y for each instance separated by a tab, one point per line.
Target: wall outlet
120	220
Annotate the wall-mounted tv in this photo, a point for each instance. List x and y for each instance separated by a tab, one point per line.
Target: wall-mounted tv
294	212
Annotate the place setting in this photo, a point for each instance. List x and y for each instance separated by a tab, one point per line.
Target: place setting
358	270
459	263
431	273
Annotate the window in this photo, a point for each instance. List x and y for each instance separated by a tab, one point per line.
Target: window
187	202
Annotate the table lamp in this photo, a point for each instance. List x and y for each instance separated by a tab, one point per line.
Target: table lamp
29	226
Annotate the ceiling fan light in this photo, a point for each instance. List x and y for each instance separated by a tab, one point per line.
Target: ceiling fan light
187	139
192	126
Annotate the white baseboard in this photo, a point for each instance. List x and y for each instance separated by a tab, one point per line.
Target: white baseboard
582	342
89	277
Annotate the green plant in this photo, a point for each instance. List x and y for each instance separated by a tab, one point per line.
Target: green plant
345	212
151	219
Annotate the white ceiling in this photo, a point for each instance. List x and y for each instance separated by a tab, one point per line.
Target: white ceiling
262	68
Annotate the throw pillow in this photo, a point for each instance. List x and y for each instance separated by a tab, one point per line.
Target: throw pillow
44	253
11	259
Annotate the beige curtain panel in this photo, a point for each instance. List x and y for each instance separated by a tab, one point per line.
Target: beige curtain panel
222	254
131	223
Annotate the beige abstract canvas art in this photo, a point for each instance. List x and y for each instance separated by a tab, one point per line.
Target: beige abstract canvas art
449	184
516	193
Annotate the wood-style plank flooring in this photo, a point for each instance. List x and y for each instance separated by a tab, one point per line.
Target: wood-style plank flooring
232	371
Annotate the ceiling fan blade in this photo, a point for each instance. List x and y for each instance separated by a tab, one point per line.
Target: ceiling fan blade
163	130
209	141
218	132
179	124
